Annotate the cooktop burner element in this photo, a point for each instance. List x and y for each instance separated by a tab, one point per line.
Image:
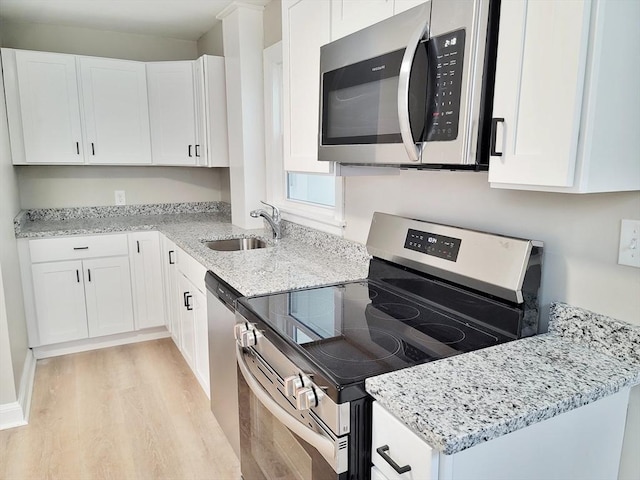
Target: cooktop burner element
440	333
395	311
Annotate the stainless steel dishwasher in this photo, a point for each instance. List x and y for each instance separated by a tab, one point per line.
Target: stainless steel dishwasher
222	357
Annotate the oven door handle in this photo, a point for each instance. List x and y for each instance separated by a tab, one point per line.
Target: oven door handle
403	91
323	445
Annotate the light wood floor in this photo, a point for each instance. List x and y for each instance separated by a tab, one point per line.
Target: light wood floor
128	412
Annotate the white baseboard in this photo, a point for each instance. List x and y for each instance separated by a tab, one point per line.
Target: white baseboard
16	414
85	345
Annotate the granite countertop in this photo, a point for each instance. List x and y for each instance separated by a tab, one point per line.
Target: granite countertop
461	401
302	258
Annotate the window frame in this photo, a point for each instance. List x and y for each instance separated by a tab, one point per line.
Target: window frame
324	218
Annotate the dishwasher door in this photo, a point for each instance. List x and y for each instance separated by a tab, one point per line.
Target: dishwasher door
222	358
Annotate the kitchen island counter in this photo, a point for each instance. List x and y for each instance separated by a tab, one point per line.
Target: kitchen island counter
462	401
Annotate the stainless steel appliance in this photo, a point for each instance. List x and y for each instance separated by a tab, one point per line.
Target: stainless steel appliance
414	90
432	291
222	359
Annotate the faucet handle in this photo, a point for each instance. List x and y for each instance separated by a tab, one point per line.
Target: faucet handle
275	211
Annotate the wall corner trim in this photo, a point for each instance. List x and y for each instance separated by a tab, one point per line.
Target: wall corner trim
233	6
16	414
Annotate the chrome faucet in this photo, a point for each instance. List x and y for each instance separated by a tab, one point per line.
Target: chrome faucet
272	219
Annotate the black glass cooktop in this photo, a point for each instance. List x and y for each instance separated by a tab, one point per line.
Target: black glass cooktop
361	329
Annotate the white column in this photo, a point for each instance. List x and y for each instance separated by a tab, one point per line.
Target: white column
243	45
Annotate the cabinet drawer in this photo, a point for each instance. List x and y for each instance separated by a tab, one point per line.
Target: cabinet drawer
192	269
74	248
405	448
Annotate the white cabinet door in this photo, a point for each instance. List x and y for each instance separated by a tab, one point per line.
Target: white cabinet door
170	273
172	112
108	295
349	16
201	144
148	291
201	340
216	143
306	25
49	106
59	301
116	111
540	74
187	321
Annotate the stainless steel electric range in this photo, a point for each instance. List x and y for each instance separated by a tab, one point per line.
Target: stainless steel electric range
303	356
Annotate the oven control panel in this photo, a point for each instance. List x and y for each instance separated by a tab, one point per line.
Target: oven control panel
432	244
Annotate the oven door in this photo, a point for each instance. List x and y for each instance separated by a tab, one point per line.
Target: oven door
273	443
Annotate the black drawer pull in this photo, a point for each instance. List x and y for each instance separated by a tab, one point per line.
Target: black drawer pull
171	262
188	304
184	295
382	451
190	151
78	275
81	248
93	149
197	153
89	273
494	134
77	148
138	244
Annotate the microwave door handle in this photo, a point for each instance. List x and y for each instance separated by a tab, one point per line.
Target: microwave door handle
325	447
403	91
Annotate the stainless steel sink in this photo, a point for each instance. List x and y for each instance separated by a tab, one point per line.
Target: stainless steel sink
235	244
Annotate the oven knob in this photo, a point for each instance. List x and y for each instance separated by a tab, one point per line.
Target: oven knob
249	338
294	383
308	397
238	329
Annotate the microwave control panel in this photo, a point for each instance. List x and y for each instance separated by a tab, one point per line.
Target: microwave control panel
446	57
432	244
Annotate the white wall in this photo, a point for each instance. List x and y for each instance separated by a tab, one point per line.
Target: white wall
71	186
272	20
13	332
211	43
100	43
581	232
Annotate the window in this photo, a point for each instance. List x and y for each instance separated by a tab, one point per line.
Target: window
314	200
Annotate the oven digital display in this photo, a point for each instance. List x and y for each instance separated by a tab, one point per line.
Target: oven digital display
432	244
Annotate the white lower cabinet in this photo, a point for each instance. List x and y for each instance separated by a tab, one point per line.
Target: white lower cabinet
108	295
146	272
584	443
168	256
190	301
82	299
59	301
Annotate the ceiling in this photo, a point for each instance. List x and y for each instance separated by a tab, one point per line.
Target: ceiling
183	19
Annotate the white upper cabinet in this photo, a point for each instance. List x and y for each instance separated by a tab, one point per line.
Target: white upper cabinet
172	111
567	102
47	100
349	16
306	25
188	111
116	111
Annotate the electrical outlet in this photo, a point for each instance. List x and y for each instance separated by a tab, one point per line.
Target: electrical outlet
629	253
120	198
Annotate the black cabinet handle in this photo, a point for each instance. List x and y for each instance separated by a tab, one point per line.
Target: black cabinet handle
184	295
77	275
190	151
171	262
93	149
81	248
494	134
382	451
186	299
89	273
78	148
138	244
197	153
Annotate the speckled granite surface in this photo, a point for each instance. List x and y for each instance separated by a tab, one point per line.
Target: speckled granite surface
303	258
461	401
604	334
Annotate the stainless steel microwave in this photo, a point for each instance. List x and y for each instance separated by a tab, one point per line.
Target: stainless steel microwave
412	90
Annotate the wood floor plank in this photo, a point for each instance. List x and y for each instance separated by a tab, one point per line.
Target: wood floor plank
128	412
